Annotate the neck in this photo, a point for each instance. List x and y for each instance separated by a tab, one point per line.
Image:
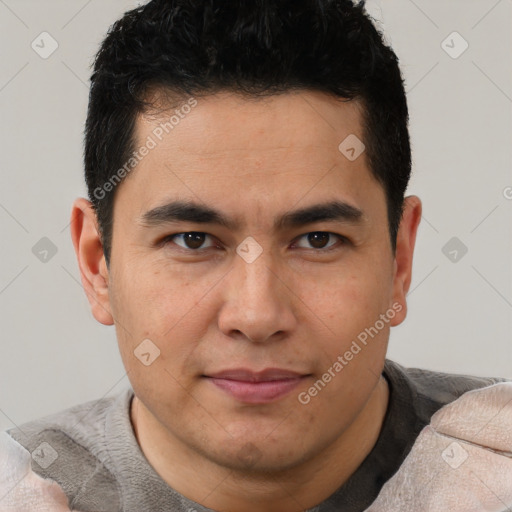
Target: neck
294	490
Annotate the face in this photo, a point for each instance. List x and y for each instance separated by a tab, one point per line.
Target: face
271	327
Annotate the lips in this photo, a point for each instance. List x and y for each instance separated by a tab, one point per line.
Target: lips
256	387
266	375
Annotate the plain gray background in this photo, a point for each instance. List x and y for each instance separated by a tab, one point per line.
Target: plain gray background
54	354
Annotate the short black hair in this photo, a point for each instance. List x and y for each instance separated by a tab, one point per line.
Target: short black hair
256	48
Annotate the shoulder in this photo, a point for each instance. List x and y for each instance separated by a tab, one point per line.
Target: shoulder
20	487
429	390
461	461
69	449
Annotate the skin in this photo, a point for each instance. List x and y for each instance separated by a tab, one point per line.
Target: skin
294	307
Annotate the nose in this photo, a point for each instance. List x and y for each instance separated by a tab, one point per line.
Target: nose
258	305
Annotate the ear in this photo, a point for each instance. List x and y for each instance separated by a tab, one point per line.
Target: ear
406	238
91	260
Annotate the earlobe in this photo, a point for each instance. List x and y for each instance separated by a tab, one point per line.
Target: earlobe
91	260
405	243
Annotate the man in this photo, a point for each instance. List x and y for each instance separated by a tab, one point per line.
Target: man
247	234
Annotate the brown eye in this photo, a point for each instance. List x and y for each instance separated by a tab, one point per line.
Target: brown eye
192	240
319	240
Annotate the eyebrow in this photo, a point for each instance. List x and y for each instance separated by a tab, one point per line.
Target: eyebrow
188	211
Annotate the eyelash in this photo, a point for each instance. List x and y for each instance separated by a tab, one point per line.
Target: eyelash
342	239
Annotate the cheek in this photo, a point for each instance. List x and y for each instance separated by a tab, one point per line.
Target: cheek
350	301
164	308
151	297
351	308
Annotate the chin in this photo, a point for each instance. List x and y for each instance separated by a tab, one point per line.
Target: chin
256	456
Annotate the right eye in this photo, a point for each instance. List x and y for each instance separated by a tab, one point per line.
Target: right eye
191	241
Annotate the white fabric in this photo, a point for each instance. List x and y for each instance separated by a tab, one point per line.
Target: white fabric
461	462
21	490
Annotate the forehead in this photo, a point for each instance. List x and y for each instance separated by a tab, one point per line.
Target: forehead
259	152
294	119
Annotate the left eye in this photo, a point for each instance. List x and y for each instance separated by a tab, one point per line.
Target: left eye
318	239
